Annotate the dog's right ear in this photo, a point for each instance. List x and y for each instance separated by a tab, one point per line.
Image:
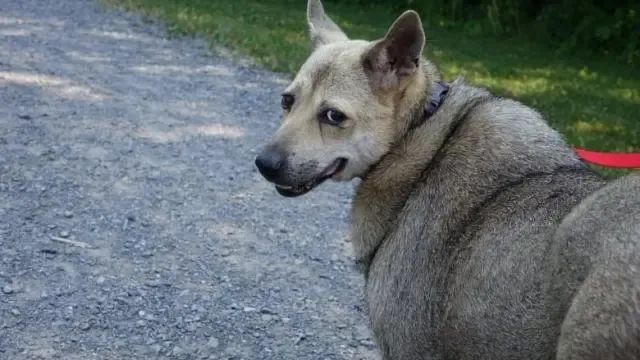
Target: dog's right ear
322	29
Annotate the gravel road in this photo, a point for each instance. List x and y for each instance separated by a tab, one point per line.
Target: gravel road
133	224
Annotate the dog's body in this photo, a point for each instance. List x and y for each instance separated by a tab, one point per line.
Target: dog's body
480	233
479	252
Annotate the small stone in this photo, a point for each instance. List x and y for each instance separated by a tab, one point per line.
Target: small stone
153	283
15	312
68	214
213	342
299	339
249	309
266	317
361	332
100	280
141	323
368	343
8	289
156	348
64	234
177	351
85	326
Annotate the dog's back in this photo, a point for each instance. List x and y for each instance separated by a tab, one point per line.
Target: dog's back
596	263
476	264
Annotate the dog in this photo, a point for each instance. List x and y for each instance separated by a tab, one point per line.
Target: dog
479	232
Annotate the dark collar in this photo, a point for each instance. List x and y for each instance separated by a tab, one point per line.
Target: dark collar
435	99
438	94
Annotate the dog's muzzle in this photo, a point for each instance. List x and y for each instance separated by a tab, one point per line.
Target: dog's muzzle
272	164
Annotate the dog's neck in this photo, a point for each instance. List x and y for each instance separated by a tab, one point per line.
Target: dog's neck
384	190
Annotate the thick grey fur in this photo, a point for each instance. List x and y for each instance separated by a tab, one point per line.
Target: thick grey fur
505	246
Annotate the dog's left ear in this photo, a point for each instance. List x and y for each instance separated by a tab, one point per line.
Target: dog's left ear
397	56
322	29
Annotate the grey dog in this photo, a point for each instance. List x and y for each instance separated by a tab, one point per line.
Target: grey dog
481	235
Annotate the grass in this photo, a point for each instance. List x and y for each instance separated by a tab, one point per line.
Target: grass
595	103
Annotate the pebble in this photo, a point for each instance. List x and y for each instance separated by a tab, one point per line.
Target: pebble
368	343
299	339
8	289
64	234
156	348
177	351
361	332
68	214
213	342
223	252
15	312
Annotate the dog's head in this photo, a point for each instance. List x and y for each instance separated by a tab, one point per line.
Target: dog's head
342	110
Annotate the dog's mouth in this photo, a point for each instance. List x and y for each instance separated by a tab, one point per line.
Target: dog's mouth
331	170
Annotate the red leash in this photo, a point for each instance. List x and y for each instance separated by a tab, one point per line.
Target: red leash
610	159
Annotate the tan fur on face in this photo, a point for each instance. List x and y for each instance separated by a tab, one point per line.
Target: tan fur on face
351	76
333	78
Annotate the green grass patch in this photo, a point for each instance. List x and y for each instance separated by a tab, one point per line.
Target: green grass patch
594	102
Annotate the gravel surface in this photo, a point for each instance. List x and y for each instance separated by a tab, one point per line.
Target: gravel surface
133	224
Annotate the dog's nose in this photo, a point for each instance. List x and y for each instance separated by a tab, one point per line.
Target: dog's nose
270	163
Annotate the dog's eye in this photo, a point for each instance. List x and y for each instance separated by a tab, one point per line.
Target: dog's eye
333	117
287	101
